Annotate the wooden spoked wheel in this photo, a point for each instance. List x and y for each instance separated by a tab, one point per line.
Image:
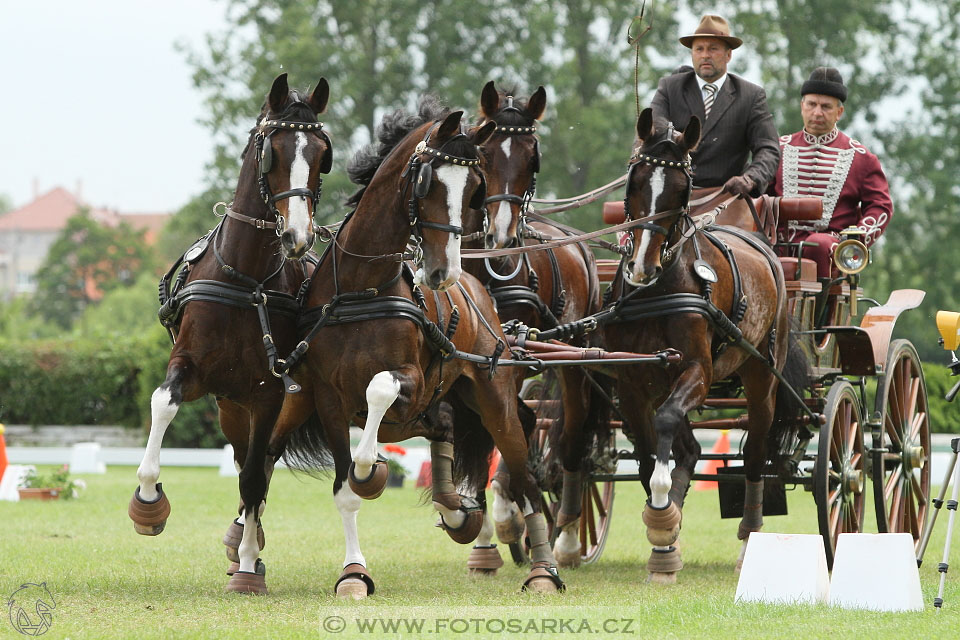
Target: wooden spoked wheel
596	503
901	468
839	477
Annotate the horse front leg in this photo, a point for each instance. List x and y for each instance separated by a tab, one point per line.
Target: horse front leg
576	395
368	475
149	506
661	515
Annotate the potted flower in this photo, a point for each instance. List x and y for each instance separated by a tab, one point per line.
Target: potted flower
396	471
51	486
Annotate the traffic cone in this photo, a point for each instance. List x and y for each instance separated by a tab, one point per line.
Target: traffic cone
722	445
425	479
3	453
494	462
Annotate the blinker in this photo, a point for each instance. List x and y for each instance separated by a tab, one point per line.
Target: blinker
266	157
424	177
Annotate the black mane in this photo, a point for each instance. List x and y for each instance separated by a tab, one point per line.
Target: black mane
393	128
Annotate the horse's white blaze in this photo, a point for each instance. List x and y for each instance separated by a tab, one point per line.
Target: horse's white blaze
503	507
660	484
348	504
657	183
381	392
505	147
454	178
299	220
501	221
249	549
162	411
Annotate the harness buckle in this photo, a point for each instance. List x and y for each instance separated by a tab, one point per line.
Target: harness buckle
421	147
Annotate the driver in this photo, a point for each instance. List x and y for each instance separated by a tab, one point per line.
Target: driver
821	161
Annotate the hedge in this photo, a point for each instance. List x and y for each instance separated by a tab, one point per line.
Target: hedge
97	381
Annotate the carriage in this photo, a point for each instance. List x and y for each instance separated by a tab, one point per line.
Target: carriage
867	390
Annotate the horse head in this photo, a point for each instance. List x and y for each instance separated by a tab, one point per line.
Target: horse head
514	160
658	188
292	152
443	179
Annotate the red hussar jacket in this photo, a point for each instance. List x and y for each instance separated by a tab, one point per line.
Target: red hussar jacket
840	171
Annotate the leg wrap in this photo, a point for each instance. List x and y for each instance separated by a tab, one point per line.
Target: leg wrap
540	551
664	561
484	559
441	471
681	483
663	525
570	502
752	509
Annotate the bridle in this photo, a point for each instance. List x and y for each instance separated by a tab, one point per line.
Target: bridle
264	151
640	156
419	176
522	201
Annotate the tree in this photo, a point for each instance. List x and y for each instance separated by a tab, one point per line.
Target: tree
380	55
87	260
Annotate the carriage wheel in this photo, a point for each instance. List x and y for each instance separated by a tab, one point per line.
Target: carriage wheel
901	469
596	508
839	476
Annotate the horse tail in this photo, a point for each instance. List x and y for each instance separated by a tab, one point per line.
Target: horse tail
307	448
472	446
797	373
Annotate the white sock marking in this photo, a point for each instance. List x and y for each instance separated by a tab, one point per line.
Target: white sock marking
162	412
381	392
348	504
503	508
660	484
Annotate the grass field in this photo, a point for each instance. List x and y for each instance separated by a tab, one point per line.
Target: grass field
109	582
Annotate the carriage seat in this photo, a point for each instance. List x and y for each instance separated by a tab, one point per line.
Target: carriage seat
799	269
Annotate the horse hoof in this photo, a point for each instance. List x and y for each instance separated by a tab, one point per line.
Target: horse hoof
484	560
663	524
540	585
662	578
149	518
352	588
373	485
466	532
542	579
512	530
567	560
247	582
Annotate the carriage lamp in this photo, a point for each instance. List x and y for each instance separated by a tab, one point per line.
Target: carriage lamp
851	256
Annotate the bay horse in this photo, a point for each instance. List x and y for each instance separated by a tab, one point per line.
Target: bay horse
541	289
717	295
380	353
234	306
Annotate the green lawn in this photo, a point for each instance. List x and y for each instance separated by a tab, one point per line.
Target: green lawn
110	582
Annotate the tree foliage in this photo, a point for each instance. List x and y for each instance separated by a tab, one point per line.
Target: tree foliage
87	260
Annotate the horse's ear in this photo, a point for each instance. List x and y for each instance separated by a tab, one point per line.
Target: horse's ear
489	100
278	93
537	103
319	97
645	124
691	135
450	126
481	134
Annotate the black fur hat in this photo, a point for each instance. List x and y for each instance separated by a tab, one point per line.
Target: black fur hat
825	81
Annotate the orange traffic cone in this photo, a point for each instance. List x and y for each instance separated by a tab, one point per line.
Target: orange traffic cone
494	462
722	445
3	453
425	479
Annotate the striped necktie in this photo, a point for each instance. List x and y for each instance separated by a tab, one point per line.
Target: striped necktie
710	92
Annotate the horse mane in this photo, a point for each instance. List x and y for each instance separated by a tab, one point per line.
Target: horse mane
393	128
296	109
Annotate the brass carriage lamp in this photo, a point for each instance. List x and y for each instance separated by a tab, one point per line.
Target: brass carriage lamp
948	324
851	255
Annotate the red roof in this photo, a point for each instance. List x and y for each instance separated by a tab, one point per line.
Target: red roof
51	211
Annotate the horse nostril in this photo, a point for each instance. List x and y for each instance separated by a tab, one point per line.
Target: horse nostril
488	241
630	265
512	243
286	239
